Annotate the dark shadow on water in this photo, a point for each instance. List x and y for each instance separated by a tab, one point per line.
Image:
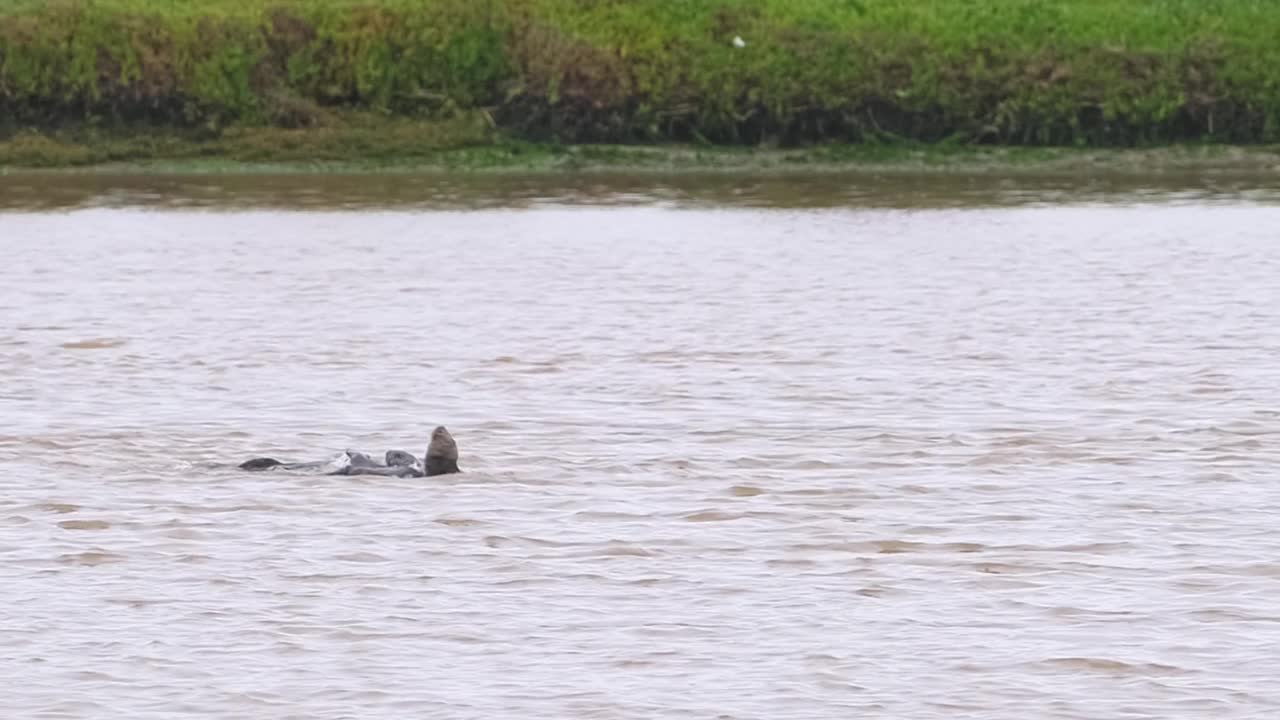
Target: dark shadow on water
312	192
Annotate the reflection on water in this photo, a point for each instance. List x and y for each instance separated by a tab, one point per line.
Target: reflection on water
439	191
802	447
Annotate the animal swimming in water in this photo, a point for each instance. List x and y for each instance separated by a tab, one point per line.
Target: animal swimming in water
441	459
442	453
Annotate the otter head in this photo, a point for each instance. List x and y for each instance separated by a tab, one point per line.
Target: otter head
442	453
412	466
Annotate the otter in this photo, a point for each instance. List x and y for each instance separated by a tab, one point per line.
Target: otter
441	459
442	453
398	464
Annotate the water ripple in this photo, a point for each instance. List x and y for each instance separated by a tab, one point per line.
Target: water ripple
824	458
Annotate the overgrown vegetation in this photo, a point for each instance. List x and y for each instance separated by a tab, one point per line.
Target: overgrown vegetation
1030	72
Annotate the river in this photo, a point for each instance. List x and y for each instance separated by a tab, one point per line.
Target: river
805	446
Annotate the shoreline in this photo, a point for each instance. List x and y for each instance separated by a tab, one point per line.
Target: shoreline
899	178
503	157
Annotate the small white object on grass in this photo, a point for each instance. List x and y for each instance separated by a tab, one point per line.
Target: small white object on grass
738	42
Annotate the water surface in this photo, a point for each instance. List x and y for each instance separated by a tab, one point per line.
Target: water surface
799	447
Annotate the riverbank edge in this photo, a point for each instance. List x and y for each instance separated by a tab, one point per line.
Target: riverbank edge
463	146
724	72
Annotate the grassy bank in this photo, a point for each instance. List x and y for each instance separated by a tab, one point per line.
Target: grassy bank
420	147
86	81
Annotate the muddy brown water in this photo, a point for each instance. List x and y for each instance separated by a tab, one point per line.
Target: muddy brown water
792	447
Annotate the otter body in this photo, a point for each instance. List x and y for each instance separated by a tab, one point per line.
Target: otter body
441	459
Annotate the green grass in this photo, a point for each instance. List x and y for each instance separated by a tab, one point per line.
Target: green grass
216	74
427	146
